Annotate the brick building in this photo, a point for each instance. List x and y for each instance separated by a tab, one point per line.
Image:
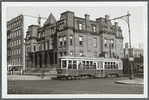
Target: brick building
73	36
15	42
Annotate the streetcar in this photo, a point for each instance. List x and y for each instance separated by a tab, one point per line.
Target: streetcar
79	67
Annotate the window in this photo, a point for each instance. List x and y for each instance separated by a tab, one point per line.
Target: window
94	28
47	44
64	40
95	42
17	33
12	61
12	52
106	55
64	64
39	35
19	51
43	34
34	47
65	53
69	64
71	52
60	54
70	39
105	42
81	53
80	26
10	35
12	44
112	43
80	40
60	41
19	42
39	46
19	60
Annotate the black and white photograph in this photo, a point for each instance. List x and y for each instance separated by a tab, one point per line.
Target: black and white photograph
74	49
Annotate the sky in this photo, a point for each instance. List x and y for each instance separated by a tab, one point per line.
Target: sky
94	9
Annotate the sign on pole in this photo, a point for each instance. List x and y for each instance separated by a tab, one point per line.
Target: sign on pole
131	59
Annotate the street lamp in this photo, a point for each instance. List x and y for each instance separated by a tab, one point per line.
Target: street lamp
126	18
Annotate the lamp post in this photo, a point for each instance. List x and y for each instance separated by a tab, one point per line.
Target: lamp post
130	55
126	18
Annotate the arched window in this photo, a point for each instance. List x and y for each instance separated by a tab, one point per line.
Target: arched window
34	47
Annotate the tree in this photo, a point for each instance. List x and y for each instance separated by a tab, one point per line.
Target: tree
140	45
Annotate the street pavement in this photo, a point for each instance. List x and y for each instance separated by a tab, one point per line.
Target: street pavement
27	77
134	81
25	84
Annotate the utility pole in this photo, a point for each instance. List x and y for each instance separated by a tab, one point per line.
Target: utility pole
126	18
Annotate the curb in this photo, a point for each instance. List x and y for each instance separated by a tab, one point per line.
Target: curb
129	83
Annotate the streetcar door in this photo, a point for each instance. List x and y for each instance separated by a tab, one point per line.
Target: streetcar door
99	71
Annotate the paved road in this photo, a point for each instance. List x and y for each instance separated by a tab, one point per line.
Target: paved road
85	86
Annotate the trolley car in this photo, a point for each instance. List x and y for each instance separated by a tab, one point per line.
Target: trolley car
78	67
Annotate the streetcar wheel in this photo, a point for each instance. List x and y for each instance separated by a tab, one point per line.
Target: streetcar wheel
66	78
87	77
76	77
80	77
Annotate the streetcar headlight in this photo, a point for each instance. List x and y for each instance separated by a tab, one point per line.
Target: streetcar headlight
59	71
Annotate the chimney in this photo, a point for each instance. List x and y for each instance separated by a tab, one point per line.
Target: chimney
87	17
116	24
107	17
126	45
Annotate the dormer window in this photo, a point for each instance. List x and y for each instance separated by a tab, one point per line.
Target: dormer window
38	35
94	28
80	26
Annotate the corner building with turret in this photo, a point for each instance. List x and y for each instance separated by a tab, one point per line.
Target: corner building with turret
73	36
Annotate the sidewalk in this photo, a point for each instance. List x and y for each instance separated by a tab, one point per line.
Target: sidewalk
27	77
136	81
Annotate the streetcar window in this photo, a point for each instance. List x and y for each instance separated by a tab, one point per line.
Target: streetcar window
83	64
74	65
91	65
94	66
64	63
69	64
87	65
108	65
105	65
111	66
114	65
80	65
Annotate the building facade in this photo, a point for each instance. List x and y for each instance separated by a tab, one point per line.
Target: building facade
73	36
135	52
15	42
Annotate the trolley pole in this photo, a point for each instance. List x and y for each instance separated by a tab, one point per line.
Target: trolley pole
126	18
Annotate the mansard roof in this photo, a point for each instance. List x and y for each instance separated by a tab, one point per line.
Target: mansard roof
51	19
